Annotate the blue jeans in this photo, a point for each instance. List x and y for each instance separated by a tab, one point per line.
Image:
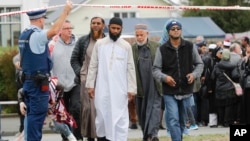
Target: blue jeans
189	103
175	116
61	127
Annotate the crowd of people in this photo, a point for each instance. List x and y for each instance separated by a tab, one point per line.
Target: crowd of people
217	93
108	85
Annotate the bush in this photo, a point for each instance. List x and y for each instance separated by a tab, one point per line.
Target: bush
8	89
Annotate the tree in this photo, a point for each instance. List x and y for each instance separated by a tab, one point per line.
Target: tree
231	21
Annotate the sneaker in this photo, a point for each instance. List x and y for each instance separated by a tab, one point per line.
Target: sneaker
71	137
193	127
168	133
185	132
133	126
161	127
213	126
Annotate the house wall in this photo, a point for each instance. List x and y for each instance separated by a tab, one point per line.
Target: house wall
9	33
81	17
24	5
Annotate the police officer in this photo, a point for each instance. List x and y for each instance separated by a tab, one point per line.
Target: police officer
36	65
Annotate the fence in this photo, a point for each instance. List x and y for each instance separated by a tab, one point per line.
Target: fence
4	103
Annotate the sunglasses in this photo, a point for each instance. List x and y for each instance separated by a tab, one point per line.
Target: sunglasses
175	28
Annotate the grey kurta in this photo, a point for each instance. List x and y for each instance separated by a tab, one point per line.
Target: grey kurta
150	105
88	112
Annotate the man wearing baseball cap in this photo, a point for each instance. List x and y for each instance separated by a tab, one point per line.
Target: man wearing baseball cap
36	65
177	64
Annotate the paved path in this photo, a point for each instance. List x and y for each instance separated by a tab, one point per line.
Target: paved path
10	126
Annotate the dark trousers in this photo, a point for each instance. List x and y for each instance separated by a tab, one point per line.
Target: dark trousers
73	106
225	115
37	107
132	111
21	118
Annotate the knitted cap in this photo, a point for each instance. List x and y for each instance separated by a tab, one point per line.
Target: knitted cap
115	20
172	23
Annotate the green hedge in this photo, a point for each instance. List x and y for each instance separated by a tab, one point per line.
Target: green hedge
8	89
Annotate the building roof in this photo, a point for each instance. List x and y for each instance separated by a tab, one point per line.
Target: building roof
191	26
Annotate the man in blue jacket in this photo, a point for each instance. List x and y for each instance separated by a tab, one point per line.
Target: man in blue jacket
36	65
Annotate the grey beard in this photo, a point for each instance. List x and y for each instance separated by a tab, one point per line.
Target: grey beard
142	43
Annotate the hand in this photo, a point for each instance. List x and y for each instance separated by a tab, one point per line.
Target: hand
202	79
22	108
170	81
246	58
91	92
17	65
190	78
130	96
68	6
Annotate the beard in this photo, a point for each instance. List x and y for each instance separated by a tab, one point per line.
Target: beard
114	37
174	37
96	34
142	43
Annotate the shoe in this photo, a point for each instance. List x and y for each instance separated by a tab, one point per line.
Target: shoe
213	126
133	126
185	132
71	137
193	127
168	133
201	124
161	127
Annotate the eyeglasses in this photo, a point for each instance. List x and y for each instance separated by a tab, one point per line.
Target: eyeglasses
68	28
175	28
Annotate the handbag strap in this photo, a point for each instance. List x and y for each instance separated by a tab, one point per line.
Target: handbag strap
228	77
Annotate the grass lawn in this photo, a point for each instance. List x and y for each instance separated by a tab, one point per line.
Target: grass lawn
207	137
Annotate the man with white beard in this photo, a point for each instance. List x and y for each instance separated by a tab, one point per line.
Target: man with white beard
148	99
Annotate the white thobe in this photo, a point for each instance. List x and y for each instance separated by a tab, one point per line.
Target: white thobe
112	73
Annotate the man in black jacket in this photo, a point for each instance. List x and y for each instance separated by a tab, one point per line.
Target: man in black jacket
80	59
177	64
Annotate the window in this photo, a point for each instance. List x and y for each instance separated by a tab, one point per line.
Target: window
125	14
116	14
10	27
132	15
2	17
13	18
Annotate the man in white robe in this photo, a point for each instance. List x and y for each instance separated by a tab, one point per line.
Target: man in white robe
111	82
